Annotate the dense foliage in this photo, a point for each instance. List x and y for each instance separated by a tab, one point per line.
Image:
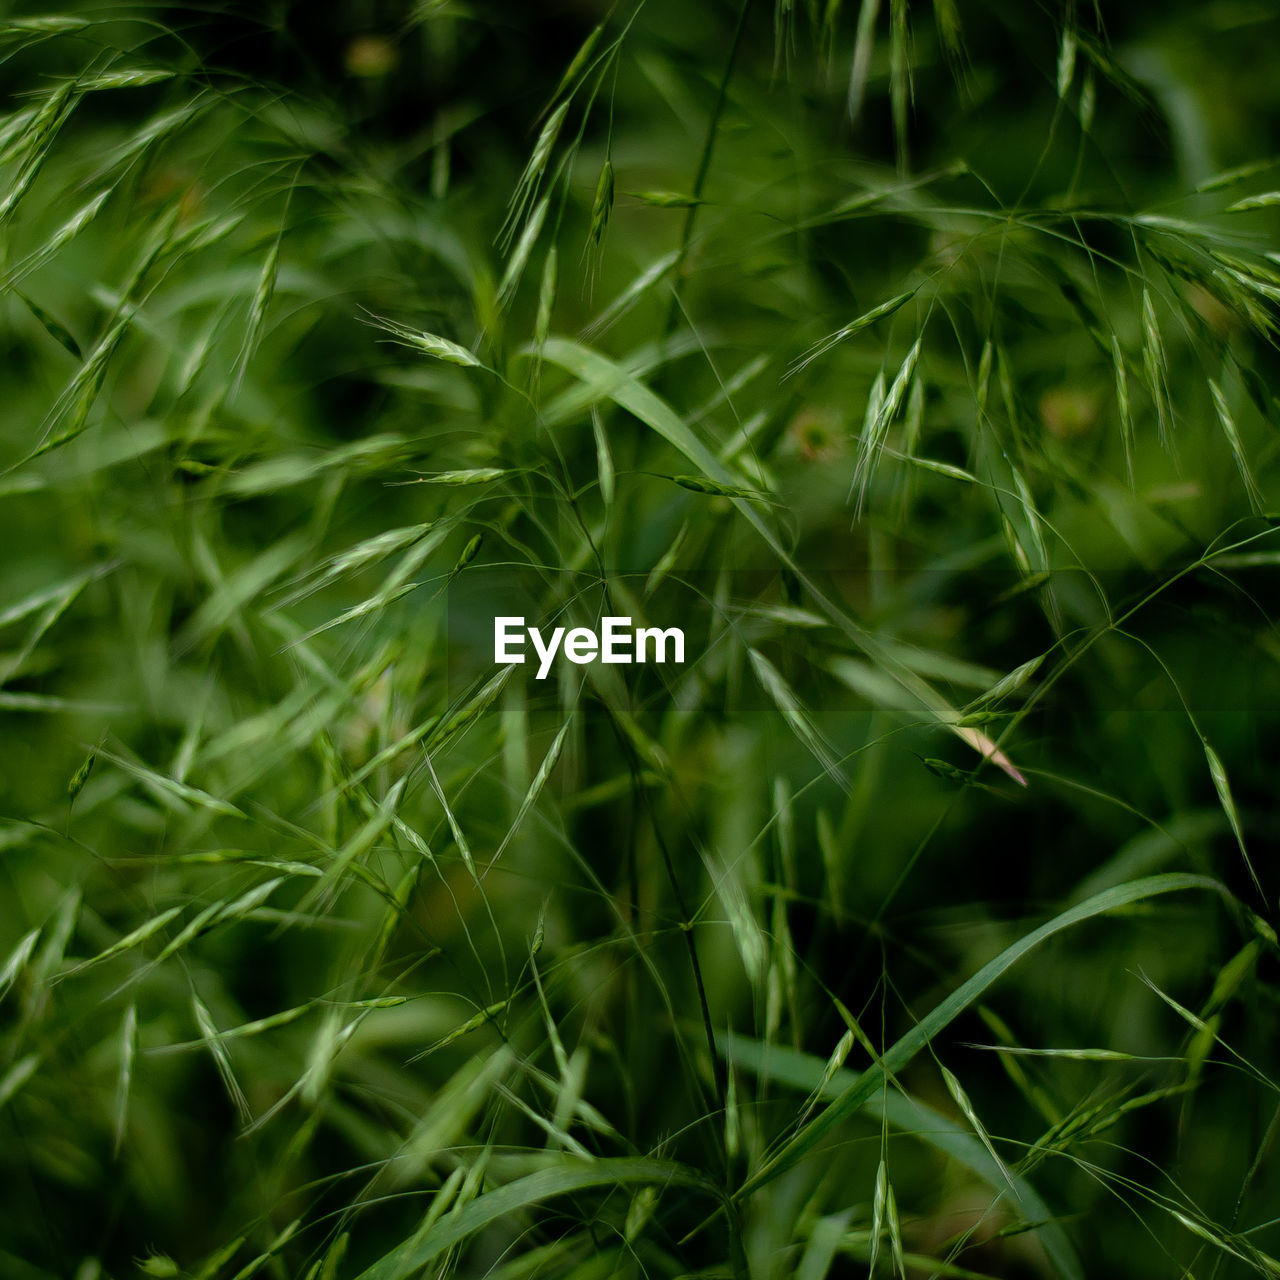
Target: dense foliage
919	360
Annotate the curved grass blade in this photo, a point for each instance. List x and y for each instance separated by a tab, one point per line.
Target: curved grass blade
54	328
854	1098
860	67
566	1178
17	961
907	1113
1222	786
130	940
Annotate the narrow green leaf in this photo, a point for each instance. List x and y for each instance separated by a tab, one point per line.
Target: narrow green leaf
667	199
17	961
1217	770
1230	177
17	1076
209	1034
57	331
933	1023
860	67
1267	200
699	485
130	940
520	254
128	1049
604	458
569	1176
1066	60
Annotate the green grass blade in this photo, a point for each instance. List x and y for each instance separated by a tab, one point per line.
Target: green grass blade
934	1022
568	1177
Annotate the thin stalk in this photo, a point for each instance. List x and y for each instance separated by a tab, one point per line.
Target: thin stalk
704	166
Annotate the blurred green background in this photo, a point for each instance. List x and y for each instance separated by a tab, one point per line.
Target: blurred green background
921	359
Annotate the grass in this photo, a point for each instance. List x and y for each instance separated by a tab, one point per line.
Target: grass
920	360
